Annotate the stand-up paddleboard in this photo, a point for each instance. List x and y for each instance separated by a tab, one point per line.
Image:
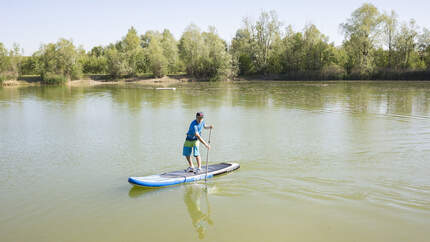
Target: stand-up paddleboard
177	177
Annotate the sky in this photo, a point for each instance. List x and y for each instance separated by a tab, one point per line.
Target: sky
95	22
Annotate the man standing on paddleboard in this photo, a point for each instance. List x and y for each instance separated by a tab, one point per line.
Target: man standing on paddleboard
192	140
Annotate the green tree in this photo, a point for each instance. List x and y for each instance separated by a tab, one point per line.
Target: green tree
218	60
192	50
146	38
242	52
27	66
253	44
205	54
170	52
319	52
4	62
10	61
161	51
95	61
424	47
130	46
126	56
362	31
405	45
265	31
58	61
131	41
158	62
294	52
117	62
383	58
309	53
389	22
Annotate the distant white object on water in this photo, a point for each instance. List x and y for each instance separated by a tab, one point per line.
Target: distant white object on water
166	88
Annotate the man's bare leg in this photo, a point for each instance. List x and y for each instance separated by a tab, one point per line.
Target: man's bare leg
199	162
190	163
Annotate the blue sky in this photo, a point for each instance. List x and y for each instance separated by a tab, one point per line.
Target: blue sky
90	23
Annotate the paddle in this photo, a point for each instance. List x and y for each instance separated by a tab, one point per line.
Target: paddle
207	155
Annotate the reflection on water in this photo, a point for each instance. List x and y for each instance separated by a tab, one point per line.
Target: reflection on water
195	196
197	202
398	98
136	191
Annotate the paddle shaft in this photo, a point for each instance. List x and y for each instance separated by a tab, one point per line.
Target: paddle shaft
207	155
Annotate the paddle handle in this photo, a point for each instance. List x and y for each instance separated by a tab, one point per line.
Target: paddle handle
207	155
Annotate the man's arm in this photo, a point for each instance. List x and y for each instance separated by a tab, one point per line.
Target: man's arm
201	140
209	127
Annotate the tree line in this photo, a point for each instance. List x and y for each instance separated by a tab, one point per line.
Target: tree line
376	46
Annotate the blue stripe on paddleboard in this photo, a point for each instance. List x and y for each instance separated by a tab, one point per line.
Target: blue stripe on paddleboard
171	182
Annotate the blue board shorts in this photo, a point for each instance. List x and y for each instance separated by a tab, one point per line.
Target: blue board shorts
191	146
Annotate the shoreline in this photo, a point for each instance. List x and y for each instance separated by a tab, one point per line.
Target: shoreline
140	81
168	80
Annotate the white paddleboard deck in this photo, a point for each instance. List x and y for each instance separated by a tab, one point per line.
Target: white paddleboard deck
177	177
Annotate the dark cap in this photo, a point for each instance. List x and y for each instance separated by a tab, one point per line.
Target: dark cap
199	114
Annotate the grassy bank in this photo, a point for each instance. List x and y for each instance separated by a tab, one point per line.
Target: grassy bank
147	78
382	75
100	79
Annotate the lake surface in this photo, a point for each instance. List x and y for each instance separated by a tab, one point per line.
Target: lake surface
320	161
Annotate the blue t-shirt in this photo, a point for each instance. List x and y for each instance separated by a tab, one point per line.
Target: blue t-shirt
195	128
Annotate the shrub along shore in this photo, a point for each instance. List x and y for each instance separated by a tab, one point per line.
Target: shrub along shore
375	47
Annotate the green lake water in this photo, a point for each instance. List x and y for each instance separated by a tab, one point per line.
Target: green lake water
320	161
